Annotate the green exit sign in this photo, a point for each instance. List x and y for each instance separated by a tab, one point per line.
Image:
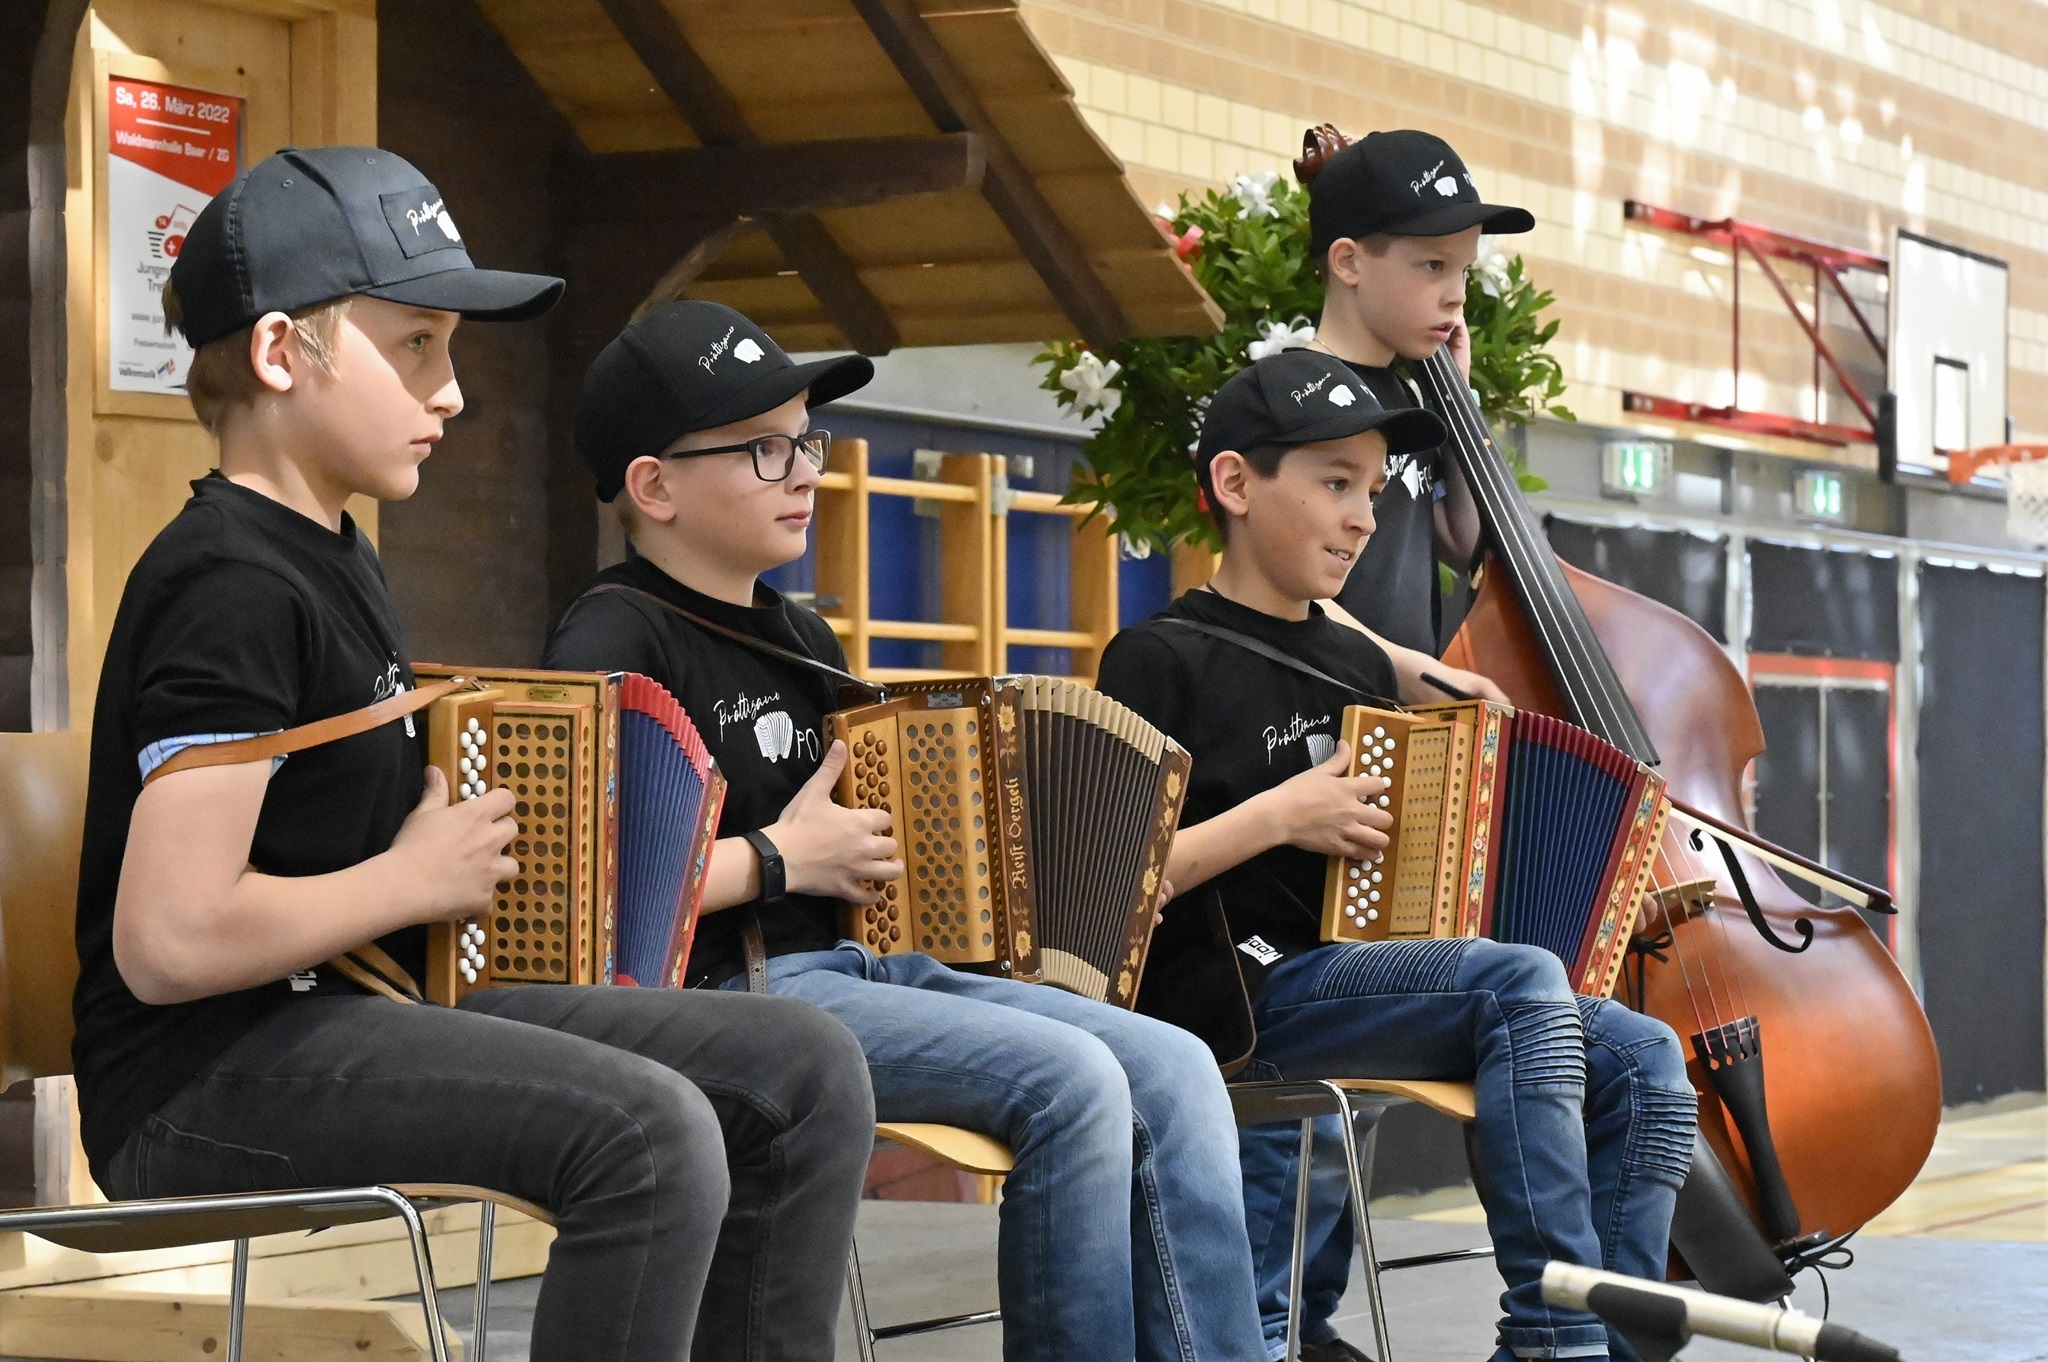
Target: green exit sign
1634	468
1821	495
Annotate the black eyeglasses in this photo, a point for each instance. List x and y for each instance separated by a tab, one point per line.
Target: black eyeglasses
774	455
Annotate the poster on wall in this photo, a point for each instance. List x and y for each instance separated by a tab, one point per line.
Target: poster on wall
169	151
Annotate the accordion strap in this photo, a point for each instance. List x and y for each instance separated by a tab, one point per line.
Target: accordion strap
756	951
1275	655
371	967
874	693
320	731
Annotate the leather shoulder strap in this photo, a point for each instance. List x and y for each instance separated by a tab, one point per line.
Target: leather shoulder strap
875	694
320	731
1275	655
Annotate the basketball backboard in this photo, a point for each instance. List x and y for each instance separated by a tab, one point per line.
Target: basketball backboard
1946	354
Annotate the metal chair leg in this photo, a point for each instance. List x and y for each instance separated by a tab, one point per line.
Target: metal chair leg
423	1267
1298	1254
857	1297
1358	1169
480	1320
238	1300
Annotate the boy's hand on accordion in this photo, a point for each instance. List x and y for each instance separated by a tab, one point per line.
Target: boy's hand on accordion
830	850
458	849
1329	811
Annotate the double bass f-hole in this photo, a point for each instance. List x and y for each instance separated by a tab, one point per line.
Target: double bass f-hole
1740	878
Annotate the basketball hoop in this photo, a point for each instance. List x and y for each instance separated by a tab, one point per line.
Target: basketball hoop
2025	470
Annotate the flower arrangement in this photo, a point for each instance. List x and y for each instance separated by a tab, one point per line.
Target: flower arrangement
1248	245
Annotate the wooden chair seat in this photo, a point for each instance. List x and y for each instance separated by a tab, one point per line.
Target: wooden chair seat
174	1229
1455	1100
967	1150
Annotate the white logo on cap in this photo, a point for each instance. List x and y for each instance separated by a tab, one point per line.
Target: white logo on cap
1341	396
436	214
1302	393
718	347
1447	187
1417	186
746	352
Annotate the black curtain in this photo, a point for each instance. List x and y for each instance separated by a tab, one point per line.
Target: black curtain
1981	898
1823	602
1684	571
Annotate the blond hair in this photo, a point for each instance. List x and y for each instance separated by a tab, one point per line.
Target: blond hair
221	376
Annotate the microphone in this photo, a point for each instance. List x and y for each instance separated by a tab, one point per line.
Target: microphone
1674	1314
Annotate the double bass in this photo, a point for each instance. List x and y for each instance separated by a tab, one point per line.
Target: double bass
1820	1088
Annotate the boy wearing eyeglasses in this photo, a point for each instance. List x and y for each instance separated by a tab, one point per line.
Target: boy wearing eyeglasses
1123	1226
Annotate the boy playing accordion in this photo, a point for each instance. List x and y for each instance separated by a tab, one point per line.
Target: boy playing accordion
702	1153
1585	1117
1122	1228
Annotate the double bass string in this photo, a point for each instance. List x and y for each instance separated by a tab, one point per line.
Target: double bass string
1592	695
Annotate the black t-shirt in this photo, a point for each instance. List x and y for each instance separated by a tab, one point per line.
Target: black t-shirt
243	617
762	718
1393	589
1249	723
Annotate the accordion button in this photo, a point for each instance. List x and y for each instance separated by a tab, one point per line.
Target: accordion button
1372	915
1384	801
1379	732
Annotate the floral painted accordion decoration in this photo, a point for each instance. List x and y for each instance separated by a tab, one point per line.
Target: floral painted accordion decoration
618	804
1034	814
1507	824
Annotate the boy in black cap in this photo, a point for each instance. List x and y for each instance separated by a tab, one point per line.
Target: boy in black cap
1122	1228
1395	222
1585	1116
694	1148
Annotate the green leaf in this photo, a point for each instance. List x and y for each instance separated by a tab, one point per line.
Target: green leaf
1136	467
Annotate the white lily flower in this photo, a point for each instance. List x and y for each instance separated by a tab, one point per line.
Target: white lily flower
1089	380
1278	336
1254	194
1493	275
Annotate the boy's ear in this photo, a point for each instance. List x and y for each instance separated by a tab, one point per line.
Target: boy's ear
648	490
273	352
1231	476
1341	264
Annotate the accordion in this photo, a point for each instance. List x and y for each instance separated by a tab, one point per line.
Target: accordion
1034	816
618	804
1507	824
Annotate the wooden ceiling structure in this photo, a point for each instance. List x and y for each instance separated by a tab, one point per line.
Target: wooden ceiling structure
854	174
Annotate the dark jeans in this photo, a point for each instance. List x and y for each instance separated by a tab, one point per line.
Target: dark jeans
702	1152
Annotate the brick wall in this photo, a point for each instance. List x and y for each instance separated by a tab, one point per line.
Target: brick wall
1836	119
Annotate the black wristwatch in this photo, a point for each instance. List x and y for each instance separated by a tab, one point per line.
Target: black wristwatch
774	881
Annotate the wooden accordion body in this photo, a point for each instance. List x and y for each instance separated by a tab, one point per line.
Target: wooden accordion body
1509	825
1034	814
574	747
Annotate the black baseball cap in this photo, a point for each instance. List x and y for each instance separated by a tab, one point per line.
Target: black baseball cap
689	366
1404	183
1298	397
309	226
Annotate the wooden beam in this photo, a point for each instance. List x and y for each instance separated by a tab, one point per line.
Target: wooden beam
950	102
655	37
90	1324
782	177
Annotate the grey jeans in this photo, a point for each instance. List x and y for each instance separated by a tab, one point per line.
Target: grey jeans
703	1152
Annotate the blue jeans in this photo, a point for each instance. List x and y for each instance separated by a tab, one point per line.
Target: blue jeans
1122	1226
1585	1122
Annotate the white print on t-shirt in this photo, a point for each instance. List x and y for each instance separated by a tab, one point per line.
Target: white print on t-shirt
1258	950
1294	730
389	684
1410	471
741	709
1321	747
777	736
305	981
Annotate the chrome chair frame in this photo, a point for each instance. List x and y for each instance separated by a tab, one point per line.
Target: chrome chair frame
321	1208
1270	1103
